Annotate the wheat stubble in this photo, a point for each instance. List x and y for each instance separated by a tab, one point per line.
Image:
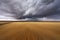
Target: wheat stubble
30	31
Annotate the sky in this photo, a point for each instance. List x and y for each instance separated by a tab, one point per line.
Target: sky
39	10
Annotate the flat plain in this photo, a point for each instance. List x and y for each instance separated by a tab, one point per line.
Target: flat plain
30	31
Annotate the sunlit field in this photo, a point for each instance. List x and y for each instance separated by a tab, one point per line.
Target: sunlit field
30	31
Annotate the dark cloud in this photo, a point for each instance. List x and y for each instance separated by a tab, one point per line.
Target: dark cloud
29	9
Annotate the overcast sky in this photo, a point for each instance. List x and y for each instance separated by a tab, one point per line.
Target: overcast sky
30	10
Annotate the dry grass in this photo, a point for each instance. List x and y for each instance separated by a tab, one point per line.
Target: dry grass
30	31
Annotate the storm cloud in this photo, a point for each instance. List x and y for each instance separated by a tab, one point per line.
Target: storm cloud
30	10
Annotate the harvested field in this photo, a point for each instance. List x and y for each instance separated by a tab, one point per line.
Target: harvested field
30	31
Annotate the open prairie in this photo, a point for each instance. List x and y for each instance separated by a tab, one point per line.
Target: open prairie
30	31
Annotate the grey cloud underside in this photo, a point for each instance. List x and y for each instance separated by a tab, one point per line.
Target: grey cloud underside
30	9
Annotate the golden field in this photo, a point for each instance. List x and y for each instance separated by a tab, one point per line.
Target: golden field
30	31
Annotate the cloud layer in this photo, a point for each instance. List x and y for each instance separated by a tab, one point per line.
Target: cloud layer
30	10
